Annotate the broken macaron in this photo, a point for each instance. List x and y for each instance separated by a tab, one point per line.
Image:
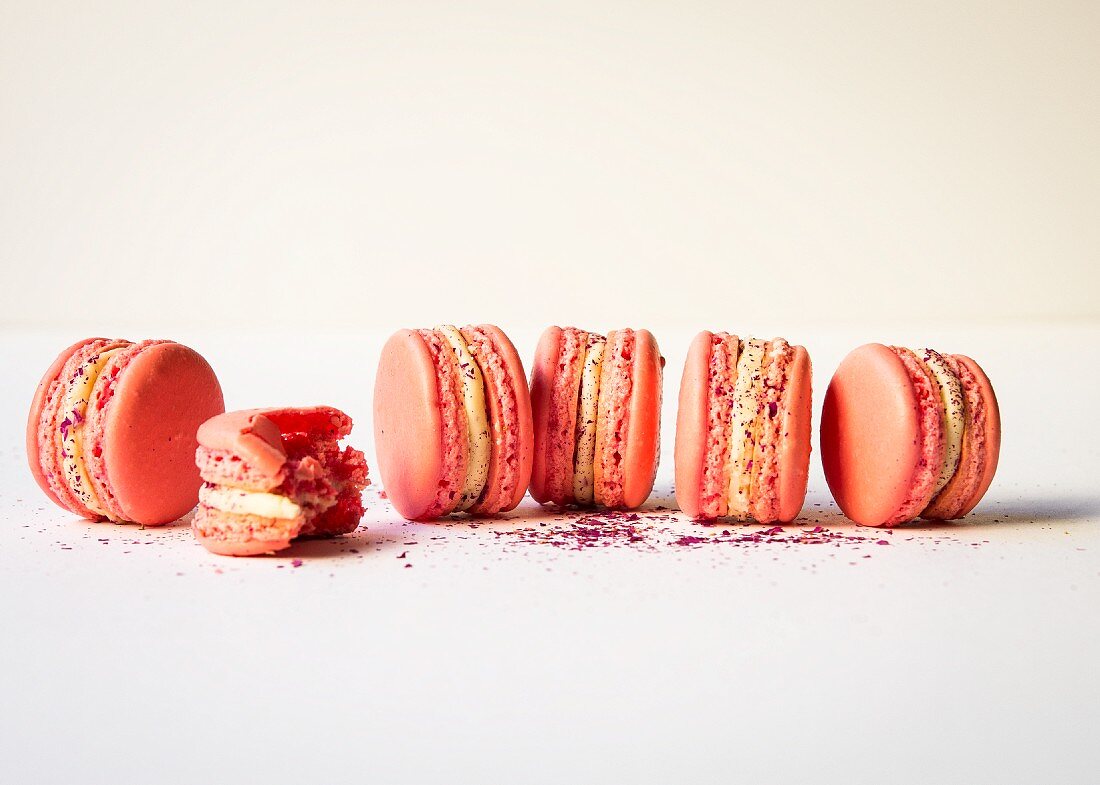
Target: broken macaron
271	476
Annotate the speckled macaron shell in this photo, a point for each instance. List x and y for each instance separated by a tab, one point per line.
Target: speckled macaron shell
992	431
982	435
691	425
796	428
871	435
643	442
496	498
408	424
149	436
793	449
34	418
544	369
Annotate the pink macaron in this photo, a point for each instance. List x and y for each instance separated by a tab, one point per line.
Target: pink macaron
743	429
111	433
452	422
271	476
596	402
908	433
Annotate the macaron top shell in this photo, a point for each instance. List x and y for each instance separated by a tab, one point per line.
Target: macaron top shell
992	431
643	428
693	425
407	424
510	418
796	427
149	435
255	435
870	434
556	376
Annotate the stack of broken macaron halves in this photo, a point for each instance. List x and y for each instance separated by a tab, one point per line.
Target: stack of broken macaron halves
136	432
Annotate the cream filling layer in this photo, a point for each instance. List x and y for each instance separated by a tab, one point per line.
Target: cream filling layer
584	462
951	393
242	502
74	409
744	415
477	416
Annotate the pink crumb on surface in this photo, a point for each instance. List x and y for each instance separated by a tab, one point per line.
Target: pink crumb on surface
931	436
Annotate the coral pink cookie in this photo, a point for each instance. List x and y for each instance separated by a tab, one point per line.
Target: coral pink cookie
111	430
743	429
907	433
273	475
597	408
452	422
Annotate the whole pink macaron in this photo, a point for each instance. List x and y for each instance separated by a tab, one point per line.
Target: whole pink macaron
112	428
908	433
743	429
452	422
272	476
596	402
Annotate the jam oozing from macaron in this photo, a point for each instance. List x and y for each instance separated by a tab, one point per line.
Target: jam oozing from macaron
274	475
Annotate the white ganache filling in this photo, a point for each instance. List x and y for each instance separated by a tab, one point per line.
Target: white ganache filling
954	407
477	416
74	409
747	400
242	502
584	465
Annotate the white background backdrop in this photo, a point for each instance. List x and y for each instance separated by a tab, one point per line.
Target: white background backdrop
403	163
281	185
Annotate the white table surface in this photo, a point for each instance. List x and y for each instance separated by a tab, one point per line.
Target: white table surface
405	652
